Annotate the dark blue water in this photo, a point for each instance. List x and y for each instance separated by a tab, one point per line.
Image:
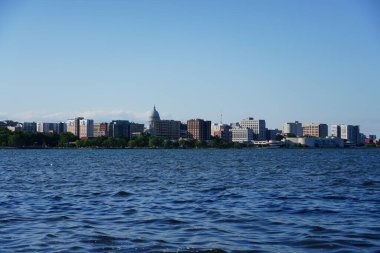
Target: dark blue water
190	200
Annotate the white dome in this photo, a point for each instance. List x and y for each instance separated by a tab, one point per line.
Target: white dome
154	115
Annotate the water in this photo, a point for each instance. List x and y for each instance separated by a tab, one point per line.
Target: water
190	200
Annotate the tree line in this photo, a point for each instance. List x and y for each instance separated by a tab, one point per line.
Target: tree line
68	140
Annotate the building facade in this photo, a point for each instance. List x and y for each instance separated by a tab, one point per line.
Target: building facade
100	129
29	127
294	128
170	129
86	128
242	135
73	126
119	128
257	126
199	129
315	130
336	131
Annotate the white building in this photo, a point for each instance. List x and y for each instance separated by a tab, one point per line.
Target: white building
292	128
336	131
86	128
242	135
257	126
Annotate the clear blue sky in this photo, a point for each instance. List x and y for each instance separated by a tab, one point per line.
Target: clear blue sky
311	61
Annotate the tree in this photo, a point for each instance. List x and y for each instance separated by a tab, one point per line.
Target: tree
200	144
65	139
16	140
238	145
155	142
4	134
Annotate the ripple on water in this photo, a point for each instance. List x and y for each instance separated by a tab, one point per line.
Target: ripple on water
213	201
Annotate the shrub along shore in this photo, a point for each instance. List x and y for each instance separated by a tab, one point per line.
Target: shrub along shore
10	139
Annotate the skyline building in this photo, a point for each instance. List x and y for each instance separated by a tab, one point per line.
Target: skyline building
100	129
199	129
86	128
242	135
73	126
292	128
29	127
258	128
315	130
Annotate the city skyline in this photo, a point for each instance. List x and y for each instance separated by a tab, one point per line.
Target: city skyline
278	61
144	119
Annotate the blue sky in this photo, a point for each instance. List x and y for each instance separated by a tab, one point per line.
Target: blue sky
311	61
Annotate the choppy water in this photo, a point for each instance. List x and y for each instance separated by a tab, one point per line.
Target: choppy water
190	200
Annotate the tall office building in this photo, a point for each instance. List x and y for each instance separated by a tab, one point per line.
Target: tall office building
119	128
135	129
100	129
29	127
315	130
86	128
170	129
336	131
294	128
199	129
73	126
257	126
242	135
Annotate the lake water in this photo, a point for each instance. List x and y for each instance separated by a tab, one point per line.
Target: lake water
250	200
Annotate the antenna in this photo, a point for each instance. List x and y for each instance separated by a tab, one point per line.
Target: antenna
221	119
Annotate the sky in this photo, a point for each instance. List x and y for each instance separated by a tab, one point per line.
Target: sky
310	61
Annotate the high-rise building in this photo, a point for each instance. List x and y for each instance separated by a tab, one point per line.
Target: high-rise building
73	126
336	131
315	130
29	127
100	129
44	127
119	128
294	128
183	131
86	128
242	135
257	126
135	129
170	129
199	129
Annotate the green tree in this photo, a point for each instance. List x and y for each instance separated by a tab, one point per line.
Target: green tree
201	144
16	140
65	139
155	142
4	134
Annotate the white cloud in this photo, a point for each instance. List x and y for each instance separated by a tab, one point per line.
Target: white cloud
96	115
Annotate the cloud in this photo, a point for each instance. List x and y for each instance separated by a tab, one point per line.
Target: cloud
96	115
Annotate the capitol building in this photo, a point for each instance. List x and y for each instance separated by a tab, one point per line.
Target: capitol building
163	128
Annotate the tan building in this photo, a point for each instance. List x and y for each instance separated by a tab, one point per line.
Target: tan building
73	126
86	128
100	129
315	130
199	129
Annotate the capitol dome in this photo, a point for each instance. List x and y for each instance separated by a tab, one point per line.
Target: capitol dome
154	115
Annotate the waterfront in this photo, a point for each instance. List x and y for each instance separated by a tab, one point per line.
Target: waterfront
286	200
